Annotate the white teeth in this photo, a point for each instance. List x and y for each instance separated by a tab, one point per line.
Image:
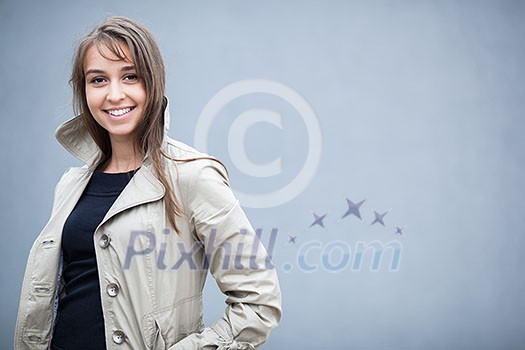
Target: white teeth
119	112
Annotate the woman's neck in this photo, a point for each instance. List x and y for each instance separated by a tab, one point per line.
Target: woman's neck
125	156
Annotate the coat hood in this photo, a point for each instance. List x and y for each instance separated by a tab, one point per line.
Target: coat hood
74	136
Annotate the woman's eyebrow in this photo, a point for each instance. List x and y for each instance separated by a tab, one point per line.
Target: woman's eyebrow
93	71
100	71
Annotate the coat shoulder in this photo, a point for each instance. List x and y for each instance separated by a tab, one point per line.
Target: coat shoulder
180	150
190	161
193	168
70	176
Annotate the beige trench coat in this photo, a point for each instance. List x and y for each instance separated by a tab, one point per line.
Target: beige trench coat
151	278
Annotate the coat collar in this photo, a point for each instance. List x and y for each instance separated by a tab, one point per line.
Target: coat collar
75	138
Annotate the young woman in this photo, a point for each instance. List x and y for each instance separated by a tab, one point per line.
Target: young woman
122	262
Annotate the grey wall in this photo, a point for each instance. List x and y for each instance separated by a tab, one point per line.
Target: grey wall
420	110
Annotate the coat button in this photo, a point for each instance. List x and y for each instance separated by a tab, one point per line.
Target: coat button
119	337
112	289
104	241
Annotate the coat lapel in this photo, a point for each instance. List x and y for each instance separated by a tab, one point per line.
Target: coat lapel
143	187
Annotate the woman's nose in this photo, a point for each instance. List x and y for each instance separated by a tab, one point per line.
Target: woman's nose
115	93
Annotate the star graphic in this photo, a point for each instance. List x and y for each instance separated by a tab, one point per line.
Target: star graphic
353	208
292	238
399	230
379	218
318	220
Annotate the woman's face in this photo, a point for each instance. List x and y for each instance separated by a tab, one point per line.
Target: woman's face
115	95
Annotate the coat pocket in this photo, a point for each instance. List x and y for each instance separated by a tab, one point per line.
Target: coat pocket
158	342
165	326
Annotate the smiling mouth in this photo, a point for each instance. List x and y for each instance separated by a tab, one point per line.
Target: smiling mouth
119	112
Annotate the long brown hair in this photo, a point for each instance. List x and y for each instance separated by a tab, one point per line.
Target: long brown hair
145	54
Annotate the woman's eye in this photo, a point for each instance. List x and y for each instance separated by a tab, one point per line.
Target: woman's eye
97	80
131	77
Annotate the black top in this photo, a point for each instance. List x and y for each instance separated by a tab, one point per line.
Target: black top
80	324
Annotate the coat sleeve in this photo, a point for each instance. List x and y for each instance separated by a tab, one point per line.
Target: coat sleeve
237	260
36	312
